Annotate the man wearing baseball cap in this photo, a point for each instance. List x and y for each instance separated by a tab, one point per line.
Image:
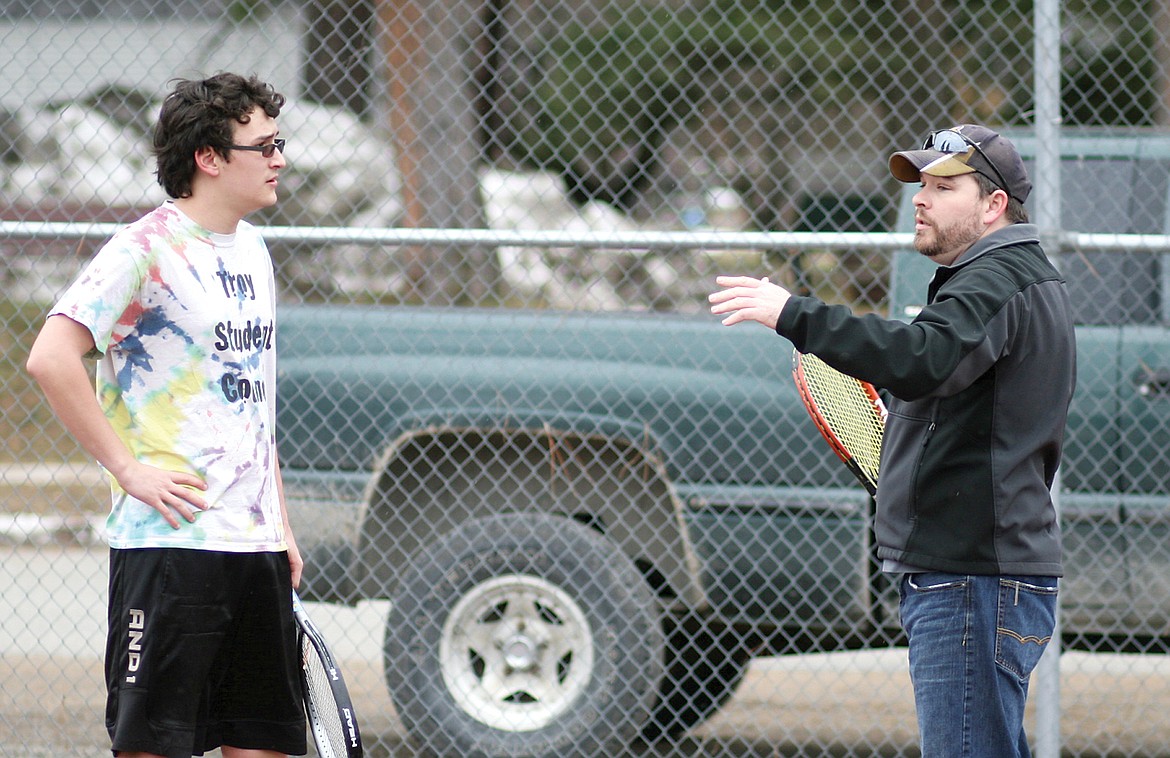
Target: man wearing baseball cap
978	388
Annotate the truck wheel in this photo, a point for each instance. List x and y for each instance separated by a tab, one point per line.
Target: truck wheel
523	635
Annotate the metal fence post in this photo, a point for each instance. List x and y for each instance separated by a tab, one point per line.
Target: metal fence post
1047	120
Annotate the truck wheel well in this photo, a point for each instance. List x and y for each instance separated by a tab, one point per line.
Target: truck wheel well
432	480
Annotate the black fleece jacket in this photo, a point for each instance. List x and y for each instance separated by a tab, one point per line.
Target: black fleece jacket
981	382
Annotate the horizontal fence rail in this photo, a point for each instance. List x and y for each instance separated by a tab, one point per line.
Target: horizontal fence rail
601	241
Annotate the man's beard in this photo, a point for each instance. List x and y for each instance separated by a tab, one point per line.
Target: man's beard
951	239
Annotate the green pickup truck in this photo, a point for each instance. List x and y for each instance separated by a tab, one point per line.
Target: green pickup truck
587	524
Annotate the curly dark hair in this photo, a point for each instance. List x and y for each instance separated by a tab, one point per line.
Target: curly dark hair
199	113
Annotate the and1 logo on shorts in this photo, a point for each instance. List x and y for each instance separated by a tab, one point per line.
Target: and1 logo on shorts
184	320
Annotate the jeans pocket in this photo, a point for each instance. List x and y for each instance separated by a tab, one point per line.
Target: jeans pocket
1027	616
935	582
930	603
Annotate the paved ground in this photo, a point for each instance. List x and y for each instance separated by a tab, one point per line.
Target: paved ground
817	705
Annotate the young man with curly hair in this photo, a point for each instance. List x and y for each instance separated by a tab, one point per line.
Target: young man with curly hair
178	310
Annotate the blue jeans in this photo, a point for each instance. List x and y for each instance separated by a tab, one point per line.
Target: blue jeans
974	641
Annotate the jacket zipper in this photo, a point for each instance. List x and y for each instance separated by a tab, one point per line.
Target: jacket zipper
918	463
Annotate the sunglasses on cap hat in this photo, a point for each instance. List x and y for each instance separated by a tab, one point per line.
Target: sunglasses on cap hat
950	141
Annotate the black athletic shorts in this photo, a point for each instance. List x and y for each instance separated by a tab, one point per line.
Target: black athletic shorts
201	652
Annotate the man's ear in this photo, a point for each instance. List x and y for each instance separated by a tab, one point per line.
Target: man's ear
997	205
208	160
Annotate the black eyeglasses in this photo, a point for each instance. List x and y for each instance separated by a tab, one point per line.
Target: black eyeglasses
266	150
950	141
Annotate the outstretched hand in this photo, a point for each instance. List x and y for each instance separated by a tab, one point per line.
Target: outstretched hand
745	298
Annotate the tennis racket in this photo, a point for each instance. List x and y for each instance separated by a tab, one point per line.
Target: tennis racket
327	703
847	412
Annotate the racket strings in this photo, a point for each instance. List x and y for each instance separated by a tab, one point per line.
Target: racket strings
323	710
853	415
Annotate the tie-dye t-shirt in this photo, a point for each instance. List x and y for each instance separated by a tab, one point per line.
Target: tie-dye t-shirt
184	321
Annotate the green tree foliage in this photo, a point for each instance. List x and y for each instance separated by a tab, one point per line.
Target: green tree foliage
606	93
1111	75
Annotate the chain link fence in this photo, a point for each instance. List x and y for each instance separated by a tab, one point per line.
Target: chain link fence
549	505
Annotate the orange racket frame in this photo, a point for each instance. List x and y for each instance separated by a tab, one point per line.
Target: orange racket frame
865	400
